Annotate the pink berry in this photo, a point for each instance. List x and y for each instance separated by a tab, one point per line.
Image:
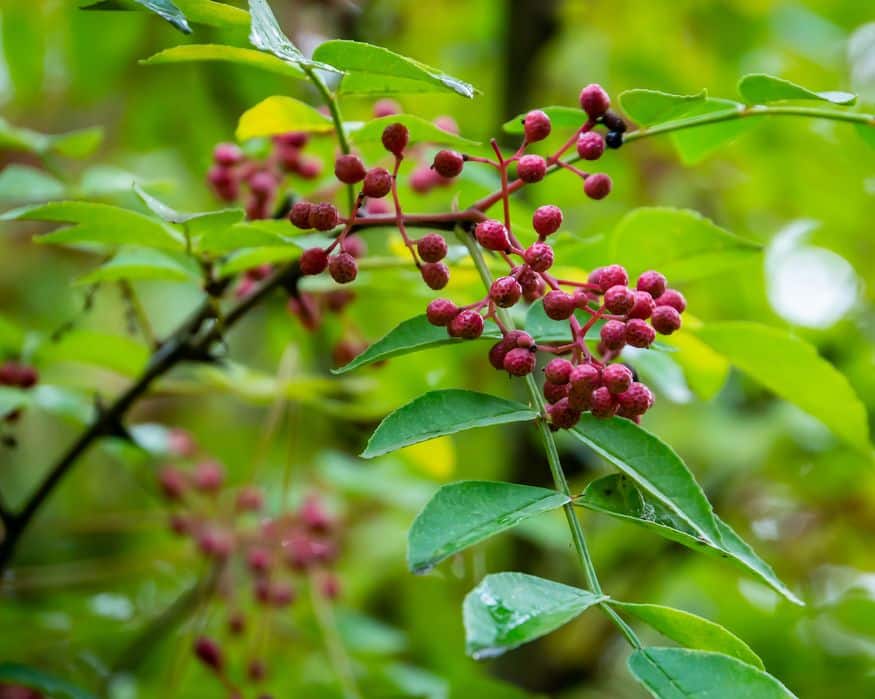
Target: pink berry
281	594
555	392
585	378
209	653
665	320
349	168
562	415
579	400
672	298
536	126
531	168
512	340
558	370
314	261
539	256
643	306
386	107
377	184
597	186
505	292
208	476
227	155
612	275
173	483
436	275
309	168
519	362
448	124
342	268
558	305
590	145
432	247
547	219
492	235
602	402
467	324
262	184
619	299
300	214
258	560
594	100
613	334
323	217
636	400
250	499
441	311
355	246
582	297
224	182
375	207
639	333
395	137
423	179
617	377
314	515
448	163
653	283
292	139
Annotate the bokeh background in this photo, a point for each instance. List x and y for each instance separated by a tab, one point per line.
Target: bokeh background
100	562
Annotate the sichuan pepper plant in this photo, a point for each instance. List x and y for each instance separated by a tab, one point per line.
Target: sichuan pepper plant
574	344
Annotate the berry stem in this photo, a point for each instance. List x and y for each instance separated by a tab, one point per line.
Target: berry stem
554	461
399	214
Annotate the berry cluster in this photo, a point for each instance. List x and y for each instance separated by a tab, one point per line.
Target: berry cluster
272	553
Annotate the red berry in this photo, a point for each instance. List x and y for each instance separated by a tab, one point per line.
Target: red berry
323	217
209	653
355	246
262	184
643	307
639	333
562	415
492	235
255	670
547	219
300	214
519	362
579	400
258	560
208	476
432	247
619	299
224	182
531	168
653	283
386	107
441	311
349	168
342	268
590	145
314	261
536	126
216	543
558	370
378	183
28	377
467	325
558	305
636	400
585	378
665	320
617	377
291	139
612	275
423	179
236	623
395	137
173	483
281	594
672	298
581	298
448	124
375	207
602	403
314	515
613	334
522	339
555	392
512	340
309	168
435	274
539	256
250	499
227	155
448	163
597	186
505	292
594	100
329	586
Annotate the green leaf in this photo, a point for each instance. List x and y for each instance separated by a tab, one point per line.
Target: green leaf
279	114
617	495
680	243
145	263
230	54
374	84
100	224
653	106
677	673
653	465
23	183
73	144
117	353
213	14
419	129
867	133
248	234
691	631
760	88
560	117
793	370
265	34
32	678
359	57
704	369
199	225
695	144
437	413
465	513
507	610
253	257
